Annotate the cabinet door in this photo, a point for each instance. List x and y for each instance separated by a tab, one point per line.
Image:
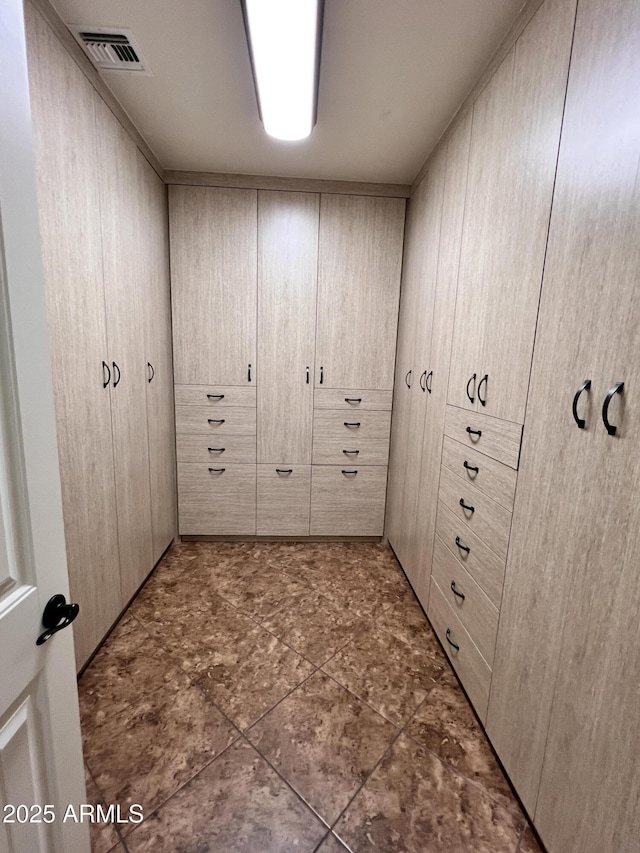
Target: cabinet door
158	358
516	131
123	261
360	257
567	666
63	107
287	283
213	284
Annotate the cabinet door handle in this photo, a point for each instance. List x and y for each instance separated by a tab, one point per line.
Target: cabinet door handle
354	425
353	399
407	381
483	381
215	396
249	373
351	451
427	383
308	375
153	373
106	381
461	546
477	432
115	368
460	595
586	385
217	470
284	470
618	388
473	468
423	375
470	509
471	379
216	449
216	420
321	374
349	472
450	641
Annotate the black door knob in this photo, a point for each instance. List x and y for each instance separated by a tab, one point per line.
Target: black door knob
57	615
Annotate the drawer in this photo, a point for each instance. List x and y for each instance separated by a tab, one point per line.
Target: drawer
477	614
219	397
485	567
347	504
232	449
219	502
495	438
339	439
200	420
284	500
346	399
472	669
491	477
490	521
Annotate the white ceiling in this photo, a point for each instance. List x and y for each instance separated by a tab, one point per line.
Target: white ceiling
392	75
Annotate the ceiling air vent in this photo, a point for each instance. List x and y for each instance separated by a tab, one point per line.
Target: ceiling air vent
111	48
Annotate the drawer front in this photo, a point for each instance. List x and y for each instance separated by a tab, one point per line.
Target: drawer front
495	438
491	477
219	397
353	428
216	502
284	500
490	521
347	504
200	420
348	400
472	669
234	449
485	567
478	615
350	450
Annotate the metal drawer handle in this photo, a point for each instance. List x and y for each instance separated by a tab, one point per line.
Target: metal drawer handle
115	368
308	375
349	472
407	380
423	375
216	449
106	381
321	374
470	509
284	470
450	641
248	373
353	399
353	425
586	385
471	379
460	595
461	546
477	432
215	396
618	388
216	420
152	371
351	451
483	381
427	383
217	470
473	468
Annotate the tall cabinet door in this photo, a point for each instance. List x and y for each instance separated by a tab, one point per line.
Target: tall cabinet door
124	262
68	186
158	360
360	258
287	283
514	147
213	273
564	704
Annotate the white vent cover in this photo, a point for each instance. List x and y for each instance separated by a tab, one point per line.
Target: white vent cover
111	48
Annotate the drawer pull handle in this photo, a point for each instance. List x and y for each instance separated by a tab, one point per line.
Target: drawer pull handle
586	385
308	375
483	381
249	373
346	473
473	468
321	374
471	379
216	449
351	451
353	399
284	470
618	388
352	425
115	367
470	509
427	383
217	470
423	375
455	591
106	381
152	371
407	379
461	546
477	432
450	641
215	396
216	420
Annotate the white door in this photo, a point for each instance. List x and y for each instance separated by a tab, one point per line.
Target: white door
40	747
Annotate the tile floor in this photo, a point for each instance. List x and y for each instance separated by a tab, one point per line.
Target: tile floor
269	698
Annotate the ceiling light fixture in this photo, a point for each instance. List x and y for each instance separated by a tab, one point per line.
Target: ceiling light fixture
285	38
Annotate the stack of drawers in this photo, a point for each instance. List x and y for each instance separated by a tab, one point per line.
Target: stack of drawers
349	462
216	455
475	503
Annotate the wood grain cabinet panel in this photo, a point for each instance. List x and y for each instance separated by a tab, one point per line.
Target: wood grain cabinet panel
495	438
347	504
360	256
216	499
214	284
200	420
496	480
284	500
215	396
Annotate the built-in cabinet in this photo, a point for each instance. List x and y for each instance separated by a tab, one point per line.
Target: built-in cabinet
103	228
285	442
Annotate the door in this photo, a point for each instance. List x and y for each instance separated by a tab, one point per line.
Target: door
40	749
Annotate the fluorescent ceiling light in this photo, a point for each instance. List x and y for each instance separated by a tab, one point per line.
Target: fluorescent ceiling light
284	42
